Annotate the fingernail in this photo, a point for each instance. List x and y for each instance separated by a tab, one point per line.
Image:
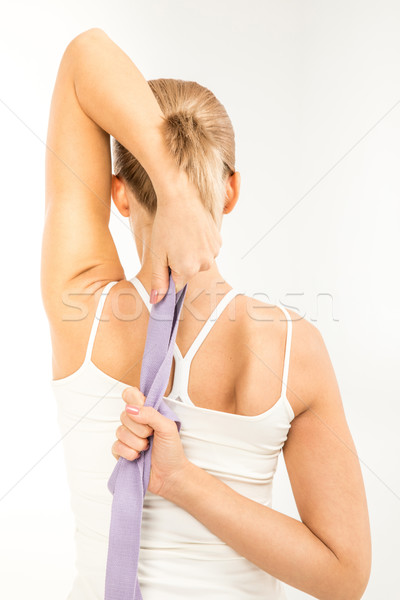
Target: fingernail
132	410
153	296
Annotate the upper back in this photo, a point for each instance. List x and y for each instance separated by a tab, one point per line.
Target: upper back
232	353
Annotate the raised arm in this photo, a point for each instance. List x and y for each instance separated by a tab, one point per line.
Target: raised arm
100	92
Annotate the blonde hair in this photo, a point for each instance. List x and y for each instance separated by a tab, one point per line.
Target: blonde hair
198	133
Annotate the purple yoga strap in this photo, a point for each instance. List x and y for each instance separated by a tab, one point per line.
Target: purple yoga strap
129	480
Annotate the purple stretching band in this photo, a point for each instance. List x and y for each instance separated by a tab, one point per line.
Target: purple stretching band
129	480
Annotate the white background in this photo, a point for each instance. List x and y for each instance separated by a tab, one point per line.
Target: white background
311	87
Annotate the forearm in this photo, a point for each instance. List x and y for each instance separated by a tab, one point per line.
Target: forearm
115	95
280	545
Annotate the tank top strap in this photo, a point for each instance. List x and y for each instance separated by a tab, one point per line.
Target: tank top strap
287	349
96	320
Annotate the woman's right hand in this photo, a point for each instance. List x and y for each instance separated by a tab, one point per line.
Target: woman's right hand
168	460
131	437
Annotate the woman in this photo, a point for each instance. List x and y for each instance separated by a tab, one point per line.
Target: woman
261	380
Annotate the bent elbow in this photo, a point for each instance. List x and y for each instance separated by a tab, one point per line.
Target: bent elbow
86	38
90	34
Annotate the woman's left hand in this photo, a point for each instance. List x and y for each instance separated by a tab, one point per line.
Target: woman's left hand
168	459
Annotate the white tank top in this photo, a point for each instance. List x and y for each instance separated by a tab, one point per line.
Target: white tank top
179	557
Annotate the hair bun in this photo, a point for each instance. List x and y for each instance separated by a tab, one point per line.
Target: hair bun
184	121
184	128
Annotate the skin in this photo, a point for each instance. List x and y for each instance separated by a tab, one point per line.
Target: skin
326	554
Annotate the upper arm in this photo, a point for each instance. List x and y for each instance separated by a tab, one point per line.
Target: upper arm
77	244
322	462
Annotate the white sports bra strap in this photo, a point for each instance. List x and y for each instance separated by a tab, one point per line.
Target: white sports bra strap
287	350
206	327
222	304
95	324
142	292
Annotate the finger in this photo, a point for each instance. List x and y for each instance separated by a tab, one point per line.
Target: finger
186	272
159	279
138	429
152	417
132	395
120	449
131	440
179	281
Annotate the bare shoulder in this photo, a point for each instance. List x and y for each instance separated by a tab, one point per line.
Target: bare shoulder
309	363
